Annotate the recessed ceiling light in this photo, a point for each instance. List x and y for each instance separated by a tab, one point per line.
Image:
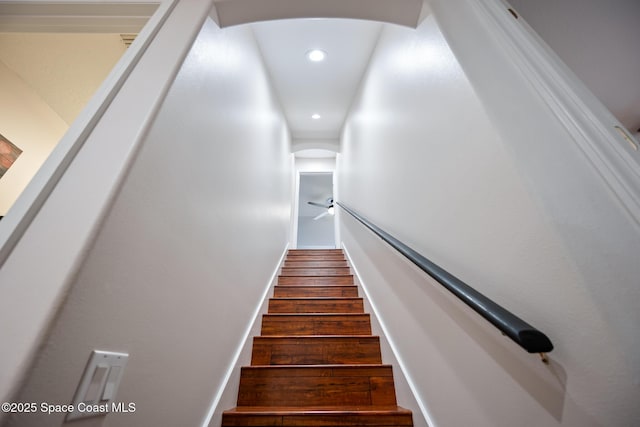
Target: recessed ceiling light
316	55
316	116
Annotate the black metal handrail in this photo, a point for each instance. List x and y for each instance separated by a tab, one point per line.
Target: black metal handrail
525	335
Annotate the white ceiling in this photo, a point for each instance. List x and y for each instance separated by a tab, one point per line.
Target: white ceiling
306	87
64	70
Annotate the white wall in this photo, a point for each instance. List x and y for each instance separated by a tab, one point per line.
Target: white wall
185	253
421	158
29	123
599	42
311	165
318	234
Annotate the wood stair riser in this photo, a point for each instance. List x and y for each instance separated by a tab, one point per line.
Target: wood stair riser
316	305
316	386
315	272
315	252
315	291
311	280
316	350
314	264
398	418
315	258
316	324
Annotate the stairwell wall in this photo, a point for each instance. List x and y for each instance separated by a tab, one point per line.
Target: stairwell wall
421	158
187	249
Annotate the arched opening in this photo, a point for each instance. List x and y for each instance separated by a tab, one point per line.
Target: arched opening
313	225
401	12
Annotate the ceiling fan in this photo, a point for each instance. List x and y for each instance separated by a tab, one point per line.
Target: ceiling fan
328	205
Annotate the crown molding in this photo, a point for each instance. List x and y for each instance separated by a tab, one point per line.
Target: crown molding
75	16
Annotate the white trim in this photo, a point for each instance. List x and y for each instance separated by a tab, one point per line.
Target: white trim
30	201
405	371
296	203
315	144
337	217
590	125
81	16
401	12
235	360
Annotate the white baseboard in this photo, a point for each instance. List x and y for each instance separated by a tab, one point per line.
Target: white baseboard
402	377
228	391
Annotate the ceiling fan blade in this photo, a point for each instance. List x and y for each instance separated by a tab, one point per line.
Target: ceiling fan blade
321	215
321	205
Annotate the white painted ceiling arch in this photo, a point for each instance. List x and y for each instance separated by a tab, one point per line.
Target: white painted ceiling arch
332	145
234	12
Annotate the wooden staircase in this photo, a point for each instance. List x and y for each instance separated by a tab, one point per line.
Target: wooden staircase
316	362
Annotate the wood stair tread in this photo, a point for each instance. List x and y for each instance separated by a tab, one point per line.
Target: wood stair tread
320	323
293	263
316	350
316	385
320	409
325	256
315	252
314	337
350	285
314	299
334	416
315	271
346	279
316	285
306	305
298	254
334	366
315	314
320	257
315	290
